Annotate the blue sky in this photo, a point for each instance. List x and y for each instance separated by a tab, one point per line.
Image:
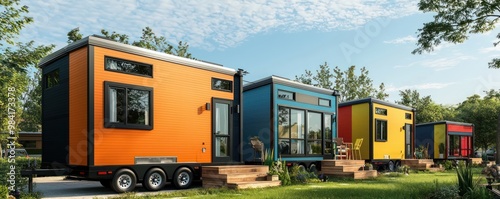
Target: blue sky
286	37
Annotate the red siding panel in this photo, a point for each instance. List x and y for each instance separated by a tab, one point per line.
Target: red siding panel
459	128
345	123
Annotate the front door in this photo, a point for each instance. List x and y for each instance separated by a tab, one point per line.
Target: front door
222	130
408	128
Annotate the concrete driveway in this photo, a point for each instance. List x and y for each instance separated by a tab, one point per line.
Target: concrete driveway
59	187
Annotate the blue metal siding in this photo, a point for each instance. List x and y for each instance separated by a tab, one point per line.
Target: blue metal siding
300	105
425	134
257	118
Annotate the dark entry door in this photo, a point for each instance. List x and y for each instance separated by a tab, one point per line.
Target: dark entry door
222	130
408	136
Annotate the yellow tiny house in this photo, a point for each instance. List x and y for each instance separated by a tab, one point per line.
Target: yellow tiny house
386	128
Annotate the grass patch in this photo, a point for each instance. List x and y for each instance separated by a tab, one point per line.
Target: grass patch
421	185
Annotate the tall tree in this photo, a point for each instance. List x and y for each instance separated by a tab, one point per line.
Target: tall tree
13	20
350	85
455	20
32	107
427	109
483	113
16	60
148	40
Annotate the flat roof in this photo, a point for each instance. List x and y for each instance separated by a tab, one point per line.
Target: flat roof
374	100
446	122
110	44
284	81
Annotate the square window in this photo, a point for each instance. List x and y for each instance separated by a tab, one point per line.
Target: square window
128	106
52	79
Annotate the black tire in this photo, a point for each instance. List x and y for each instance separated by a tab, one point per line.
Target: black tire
124	181
397	166
313	168
302	168
390	166
183	178
154	179
106	183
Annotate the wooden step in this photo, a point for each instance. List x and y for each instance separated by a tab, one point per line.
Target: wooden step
242	177
327	163
341	169
256	184
234	169
355	175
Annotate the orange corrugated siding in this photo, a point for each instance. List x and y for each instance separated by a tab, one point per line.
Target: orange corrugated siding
78	107
182	126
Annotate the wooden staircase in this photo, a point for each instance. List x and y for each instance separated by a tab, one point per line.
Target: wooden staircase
237	177
347	169
421	164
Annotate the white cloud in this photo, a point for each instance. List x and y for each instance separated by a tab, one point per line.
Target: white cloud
490	49
445	63
424	86
204	23
402	40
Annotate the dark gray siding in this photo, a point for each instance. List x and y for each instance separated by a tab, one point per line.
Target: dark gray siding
55	116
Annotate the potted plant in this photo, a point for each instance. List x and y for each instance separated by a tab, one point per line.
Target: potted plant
368	166
441	150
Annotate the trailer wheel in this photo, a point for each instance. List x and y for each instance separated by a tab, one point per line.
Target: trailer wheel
154	179
183	178
313	168
123	181
391	165
398	165
105	183
302	167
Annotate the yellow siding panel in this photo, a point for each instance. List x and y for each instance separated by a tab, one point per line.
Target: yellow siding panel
394	147
360	127
78	107
439	137
182	126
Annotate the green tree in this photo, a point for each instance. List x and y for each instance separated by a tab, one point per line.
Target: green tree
455	20
148	40
16	60
483	113
427	109
350	85
12	20
32	107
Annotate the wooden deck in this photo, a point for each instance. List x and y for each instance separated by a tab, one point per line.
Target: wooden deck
346	169
237	177
422	165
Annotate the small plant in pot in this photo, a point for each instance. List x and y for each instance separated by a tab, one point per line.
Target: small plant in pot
441	150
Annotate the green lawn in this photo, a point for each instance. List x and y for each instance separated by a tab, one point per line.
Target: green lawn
415	185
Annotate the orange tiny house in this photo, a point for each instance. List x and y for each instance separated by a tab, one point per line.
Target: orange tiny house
113	111
386	128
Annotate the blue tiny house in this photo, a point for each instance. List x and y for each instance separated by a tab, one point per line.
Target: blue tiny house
297	122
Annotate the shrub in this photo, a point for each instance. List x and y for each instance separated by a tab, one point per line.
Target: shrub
299	175
4	191
479	192
446	191
448	165
284	175
466	181
20	164
405	169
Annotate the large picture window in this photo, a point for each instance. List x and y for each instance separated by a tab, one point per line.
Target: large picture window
328	134
314	133
291	133
128	106
380	130
129	67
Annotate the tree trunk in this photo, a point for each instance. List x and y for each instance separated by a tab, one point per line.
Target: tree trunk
497	155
